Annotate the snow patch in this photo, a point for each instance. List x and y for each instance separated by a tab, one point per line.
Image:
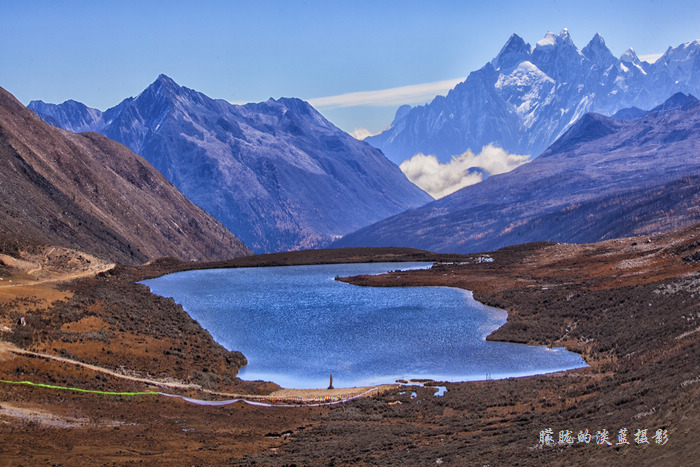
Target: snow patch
549	39
525	74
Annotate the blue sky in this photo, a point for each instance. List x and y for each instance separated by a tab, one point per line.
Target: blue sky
354	60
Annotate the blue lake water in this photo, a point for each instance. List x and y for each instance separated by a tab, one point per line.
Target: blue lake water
296	325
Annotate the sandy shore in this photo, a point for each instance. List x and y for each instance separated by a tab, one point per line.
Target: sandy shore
329	394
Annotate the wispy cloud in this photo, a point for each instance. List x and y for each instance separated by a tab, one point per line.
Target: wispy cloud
413	94
650	58
443	179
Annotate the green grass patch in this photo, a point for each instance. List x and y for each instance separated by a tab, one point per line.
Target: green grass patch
89	391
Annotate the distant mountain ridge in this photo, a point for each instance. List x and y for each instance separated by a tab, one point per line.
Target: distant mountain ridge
77	117
527	96
604	178
276	173
89	193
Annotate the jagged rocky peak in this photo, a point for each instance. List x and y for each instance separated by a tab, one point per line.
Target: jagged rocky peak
165	94
161	98
290	109
301	107
402	111
557	56
512	53
555	45
597	42
686	52
163	86
166	82
526	111
598	53
43	106
277	106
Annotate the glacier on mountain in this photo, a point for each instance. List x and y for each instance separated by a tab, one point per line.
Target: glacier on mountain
527	96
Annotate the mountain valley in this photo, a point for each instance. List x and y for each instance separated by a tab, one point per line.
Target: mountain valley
277	174
592	246
89	193
604	178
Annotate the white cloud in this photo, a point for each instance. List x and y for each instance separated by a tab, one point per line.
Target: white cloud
650	58
362	133
440	179
413	94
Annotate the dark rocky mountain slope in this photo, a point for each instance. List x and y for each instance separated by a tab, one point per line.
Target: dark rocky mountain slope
87	192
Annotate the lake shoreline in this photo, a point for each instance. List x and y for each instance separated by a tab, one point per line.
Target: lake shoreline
594	298
445	322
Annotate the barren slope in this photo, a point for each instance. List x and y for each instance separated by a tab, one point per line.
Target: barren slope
630	306
92	194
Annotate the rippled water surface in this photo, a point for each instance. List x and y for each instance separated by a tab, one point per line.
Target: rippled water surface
296	325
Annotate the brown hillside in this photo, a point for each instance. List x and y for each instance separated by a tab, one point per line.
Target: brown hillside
87	192
628	305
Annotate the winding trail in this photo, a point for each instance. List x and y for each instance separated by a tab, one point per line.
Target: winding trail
8	347
33	266
59	278
256	401
281	398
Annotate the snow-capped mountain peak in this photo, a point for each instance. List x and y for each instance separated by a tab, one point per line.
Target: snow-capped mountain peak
526	97
598	181
681	53
552	40
557	56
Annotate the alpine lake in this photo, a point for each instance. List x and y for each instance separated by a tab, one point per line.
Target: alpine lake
297	325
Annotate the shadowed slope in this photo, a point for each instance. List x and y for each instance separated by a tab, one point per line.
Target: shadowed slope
93	194
582	189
